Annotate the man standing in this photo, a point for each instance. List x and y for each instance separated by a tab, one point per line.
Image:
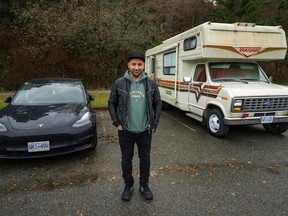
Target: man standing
135	106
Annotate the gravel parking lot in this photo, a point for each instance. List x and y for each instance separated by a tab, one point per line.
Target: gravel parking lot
192	173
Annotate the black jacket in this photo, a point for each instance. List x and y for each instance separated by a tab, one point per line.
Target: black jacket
118	102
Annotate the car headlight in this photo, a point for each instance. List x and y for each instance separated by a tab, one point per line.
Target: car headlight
2	128
85	120
237	105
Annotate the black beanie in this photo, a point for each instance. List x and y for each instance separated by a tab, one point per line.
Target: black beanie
136	55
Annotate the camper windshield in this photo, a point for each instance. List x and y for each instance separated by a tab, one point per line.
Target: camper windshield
236	72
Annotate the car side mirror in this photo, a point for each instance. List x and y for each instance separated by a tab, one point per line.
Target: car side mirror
271	78
8	99
91	98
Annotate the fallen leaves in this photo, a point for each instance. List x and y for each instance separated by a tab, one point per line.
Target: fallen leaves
79	213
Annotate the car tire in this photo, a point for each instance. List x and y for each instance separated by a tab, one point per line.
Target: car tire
95	140
276	128
215	123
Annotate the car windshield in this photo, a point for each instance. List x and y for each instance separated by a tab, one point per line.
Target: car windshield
49	93
236	71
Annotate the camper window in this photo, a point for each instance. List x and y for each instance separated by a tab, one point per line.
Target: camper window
190	43
169	64
200	73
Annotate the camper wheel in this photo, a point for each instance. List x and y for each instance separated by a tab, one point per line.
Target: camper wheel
166	106
276	128
215	124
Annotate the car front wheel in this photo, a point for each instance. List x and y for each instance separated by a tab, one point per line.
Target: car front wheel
94	141
276	128
215	124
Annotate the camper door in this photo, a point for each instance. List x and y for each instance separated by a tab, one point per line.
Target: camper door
197	98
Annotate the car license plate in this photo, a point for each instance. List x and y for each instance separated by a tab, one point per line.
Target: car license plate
38	146
267	119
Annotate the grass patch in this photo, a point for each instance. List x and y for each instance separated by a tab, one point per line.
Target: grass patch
100	102
2	99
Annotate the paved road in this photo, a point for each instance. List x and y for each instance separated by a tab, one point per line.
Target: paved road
192	174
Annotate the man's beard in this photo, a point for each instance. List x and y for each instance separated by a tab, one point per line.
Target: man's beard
136	73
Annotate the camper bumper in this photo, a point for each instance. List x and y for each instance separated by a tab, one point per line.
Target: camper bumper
255	120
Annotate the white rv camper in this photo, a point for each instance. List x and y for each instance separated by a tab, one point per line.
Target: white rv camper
210	72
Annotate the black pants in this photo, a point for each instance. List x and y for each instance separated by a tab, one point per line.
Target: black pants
127	142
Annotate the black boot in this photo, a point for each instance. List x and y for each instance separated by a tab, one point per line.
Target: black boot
146	193
127	193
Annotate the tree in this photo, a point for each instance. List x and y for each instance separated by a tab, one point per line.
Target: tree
176	16
90	39
5	39
83	39
236	11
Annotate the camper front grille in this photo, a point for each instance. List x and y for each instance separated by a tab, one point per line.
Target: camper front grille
265	104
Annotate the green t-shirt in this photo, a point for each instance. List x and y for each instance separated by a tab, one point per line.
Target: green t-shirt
137	121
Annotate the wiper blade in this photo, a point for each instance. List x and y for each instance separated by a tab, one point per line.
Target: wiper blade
256	80
230	80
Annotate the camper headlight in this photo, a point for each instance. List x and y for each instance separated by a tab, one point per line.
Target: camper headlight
237	105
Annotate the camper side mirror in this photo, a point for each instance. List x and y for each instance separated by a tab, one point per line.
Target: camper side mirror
187	79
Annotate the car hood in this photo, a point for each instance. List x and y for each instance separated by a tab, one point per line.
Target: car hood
42	117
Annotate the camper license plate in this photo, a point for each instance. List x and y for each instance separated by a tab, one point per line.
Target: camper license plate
38	146
266	119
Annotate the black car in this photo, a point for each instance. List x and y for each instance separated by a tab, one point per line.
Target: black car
47	117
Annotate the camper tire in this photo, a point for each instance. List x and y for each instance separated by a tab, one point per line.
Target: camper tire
166	106
276	128
215	123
